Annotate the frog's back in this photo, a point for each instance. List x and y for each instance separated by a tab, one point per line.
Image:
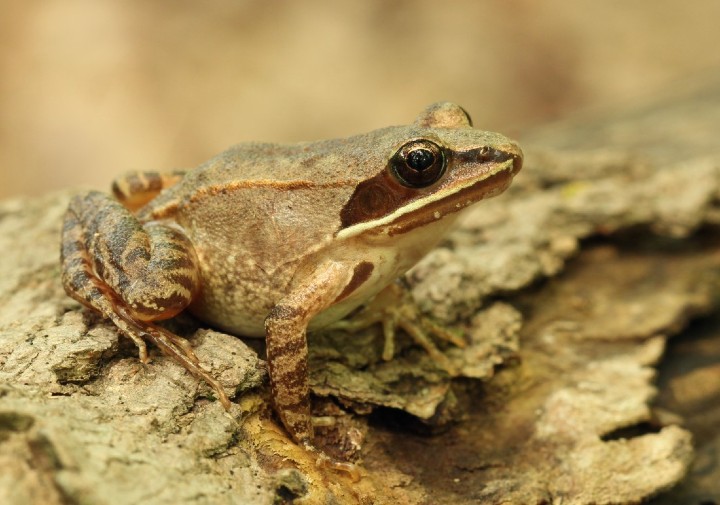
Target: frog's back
258	196
322	162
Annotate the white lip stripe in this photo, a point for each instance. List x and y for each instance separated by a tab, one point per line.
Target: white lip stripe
357	229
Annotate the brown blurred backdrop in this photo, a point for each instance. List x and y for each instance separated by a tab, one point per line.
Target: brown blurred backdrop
90	89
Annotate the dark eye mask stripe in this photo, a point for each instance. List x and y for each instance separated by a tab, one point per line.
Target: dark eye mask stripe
374	198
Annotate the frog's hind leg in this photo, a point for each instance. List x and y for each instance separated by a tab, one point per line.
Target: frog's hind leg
135	189
131	273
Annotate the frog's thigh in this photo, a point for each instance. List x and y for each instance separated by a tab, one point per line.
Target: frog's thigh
151	268
135	189
287	351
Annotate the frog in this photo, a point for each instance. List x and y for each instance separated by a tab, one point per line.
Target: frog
275	240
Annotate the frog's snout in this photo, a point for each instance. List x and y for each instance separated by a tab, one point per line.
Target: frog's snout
500	154
517	161
513	151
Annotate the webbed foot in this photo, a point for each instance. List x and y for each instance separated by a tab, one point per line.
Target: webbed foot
325	461
393	308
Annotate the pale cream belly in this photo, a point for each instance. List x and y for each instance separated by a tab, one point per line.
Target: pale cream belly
241	307
239	302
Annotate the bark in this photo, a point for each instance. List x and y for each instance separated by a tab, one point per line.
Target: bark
567	289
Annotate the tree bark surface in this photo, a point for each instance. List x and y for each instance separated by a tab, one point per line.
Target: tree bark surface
587	294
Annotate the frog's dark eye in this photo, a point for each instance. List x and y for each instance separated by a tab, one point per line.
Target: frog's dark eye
418	164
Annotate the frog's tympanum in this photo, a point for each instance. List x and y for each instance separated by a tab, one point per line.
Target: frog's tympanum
275	240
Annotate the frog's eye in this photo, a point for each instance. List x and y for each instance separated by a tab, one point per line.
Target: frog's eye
418	164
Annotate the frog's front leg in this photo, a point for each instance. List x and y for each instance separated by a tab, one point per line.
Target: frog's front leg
132	273
287	351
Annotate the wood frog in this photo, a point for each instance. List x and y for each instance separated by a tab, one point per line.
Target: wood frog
271	240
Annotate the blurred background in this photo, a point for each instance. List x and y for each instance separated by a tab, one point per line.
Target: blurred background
91	89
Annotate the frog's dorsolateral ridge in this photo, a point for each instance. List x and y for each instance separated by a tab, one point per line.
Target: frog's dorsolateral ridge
272	240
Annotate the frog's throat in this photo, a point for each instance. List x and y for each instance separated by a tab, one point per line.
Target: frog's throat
437	205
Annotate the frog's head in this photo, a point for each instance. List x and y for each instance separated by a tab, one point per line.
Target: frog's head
437	166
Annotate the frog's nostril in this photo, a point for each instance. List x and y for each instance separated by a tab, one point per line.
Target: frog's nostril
489	154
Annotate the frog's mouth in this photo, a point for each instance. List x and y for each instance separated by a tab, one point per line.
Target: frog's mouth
456	193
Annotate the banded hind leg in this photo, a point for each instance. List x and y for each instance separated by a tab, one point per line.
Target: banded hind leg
132	273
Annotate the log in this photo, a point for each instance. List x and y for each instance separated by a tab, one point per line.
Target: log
571	290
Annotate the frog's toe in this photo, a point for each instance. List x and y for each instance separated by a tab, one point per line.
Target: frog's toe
142	350
420	329
323	421
420	336
443	333
185	346
326	462
341	466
